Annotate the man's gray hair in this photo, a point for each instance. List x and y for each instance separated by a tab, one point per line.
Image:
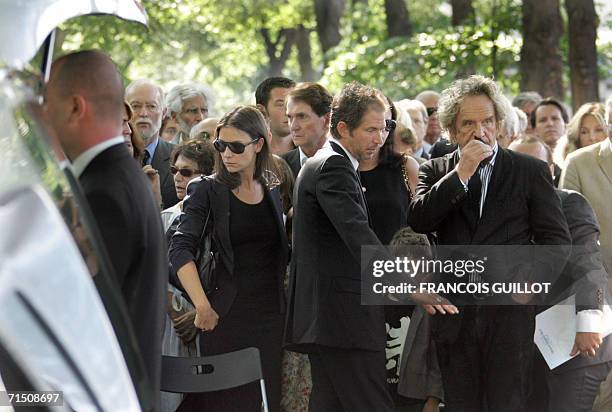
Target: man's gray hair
511	122
523	98
407	104
141	82
475	85
522	120
181	92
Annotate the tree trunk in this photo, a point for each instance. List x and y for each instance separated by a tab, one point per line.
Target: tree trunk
328	14
304	53
398	18
285	38
463	12
582	24
541	64
464	15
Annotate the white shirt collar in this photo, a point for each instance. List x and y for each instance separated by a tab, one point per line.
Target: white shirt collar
82	161
303	156
352	158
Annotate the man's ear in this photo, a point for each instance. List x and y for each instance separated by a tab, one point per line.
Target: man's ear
327	119
78	107
343	130
262	109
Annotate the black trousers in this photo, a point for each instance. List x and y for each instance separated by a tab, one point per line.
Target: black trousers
348	380
487	368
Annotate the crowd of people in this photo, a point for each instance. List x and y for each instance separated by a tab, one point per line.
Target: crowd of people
290	188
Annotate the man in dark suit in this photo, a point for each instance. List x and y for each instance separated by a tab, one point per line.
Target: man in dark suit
147	101
573	385
344	340
308	111
482	194
84	106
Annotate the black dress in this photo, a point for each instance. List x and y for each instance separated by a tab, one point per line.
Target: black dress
388	201
387	198
254	318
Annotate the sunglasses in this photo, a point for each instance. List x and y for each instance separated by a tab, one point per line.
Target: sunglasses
390	125
431	110
184	172
235	147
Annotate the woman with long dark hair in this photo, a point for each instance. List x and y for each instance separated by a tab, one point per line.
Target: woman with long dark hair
249	239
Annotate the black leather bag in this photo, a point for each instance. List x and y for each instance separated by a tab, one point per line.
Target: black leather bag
206	259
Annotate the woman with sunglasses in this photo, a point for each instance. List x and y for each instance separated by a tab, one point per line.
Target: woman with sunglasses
388	191
189	161
249	240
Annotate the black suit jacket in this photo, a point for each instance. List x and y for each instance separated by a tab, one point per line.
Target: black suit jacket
584	274
127	216
521	207
442	147
330	224
161	162
206	193
292	157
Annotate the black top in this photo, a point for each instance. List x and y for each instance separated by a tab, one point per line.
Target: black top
255	241
387	199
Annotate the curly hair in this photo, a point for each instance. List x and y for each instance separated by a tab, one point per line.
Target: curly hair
474	85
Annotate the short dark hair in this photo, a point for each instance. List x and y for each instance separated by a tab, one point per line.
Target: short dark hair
314	95
262	93
93	74
200	151
352	103
251	121
548	102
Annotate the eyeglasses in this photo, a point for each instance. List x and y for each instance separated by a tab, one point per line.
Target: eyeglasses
431	110
390	125
184	172
235	147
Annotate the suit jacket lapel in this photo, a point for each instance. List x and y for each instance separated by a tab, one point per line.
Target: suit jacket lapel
466	207
604	158
278	218
161	158
340	151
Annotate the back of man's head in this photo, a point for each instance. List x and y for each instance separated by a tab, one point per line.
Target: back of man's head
92	74
429	98
533	146
262	93
524	98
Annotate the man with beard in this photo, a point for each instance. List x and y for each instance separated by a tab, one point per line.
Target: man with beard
344	340
147	101
188	104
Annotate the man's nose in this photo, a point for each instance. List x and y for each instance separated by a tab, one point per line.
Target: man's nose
379	137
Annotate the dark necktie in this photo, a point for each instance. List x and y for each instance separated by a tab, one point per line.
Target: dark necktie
475	191
145	158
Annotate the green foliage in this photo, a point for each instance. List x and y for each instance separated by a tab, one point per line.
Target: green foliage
219	42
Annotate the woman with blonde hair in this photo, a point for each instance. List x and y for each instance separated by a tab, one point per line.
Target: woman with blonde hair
587	127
